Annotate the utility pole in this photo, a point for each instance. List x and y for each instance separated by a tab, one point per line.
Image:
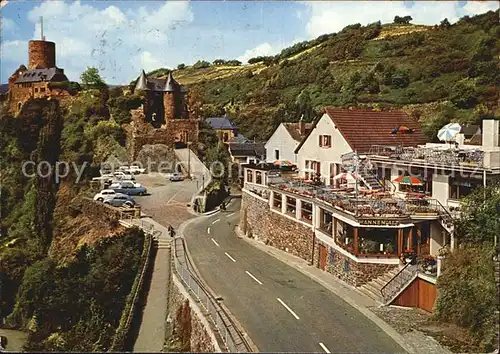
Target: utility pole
189	159
356	171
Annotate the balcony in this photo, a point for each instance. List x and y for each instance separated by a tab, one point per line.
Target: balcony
434	155
380	206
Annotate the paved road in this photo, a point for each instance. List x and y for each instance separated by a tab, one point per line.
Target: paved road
280	308
167	201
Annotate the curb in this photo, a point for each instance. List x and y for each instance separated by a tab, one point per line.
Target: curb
384	326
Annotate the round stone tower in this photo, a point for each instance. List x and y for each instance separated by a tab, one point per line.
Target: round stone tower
42	54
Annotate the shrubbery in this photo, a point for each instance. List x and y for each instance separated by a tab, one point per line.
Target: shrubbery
79	304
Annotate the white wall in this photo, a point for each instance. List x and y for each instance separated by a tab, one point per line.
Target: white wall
282	141
441	188
311	150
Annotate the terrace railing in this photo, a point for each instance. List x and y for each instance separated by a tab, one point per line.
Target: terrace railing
430	155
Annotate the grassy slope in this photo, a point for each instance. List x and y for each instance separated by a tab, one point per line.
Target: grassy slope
435	59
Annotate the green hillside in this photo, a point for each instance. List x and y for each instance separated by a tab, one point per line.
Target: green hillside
440	73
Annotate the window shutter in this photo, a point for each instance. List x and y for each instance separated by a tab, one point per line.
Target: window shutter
321	140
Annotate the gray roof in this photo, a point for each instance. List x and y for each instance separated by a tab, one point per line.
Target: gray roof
4	88
160	85
247	149
38	75
240	138
220	123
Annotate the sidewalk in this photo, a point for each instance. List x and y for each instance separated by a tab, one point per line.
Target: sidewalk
413	343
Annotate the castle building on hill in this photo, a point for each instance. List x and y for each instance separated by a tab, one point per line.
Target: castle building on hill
164	117
41	79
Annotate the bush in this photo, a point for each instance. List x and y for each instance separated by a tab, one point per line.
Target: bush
468	295
200	64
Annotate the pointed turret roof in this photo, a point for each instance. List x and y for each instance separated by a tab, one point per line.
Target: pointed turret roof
171	85
142	82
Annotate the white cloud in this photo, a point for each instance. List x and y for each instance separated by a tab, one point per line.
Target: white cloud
263	49
119	43
7	25
327	17
477	7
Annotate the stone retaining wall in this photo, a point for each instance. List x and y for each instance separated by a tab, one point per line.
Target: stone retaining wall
273	229
259	222
347	269
188	329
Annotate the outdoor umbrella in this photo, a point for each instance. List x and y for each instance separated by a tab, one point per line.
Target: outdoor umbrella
308	170
402	130
283	163
347	176
409	180
449	132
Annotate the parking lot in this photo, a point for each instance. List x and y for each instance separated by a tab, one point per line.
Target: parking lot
166	201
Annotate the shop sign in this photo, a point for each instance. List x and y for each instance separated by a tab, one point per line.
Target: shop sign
379	222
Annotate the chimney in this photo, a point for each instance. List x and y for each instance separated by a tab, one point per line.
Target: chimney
302	126
490	133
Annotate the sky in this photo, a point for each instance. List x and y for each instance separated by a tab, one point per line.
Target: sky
121	38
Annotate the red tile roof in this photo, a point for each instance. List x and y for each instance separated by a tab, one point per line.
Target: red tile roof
362	128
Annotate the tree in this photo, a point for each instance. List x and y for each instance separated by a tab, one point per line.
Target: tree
91	78
181	66
464	95
402	20
445	23
479	222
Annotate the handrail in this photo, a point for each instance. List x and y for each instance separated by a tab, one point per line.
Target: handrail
385	296
212	306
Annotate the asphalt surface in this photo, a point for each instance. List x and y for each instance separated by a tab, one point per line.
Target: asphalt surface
281	309
166	201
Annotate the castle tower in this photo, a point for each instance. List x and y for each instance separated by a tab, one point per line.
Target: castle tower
174	100
42	54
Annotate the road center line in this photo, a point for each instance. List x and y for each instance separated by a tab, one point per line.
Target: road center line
324	347
215	242
230	215
215	221
208	231
254	278
229	256
288	308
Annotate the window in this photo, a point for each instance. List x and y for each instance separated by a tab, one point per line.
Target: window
306	212
291	205
19	105
326	222
36	89
225	137
42	89
277	201
249	176
276	154
460	188
325	141
258	177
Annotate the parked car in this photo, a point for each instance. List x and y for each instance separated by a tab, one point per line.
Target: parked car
105	194
122	176
128	187
176	177
120	200
136	169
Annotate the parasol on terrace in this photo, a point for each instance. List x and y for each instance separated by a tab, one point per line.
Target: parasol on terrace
402	130
409	180
449	132
283	163
346	176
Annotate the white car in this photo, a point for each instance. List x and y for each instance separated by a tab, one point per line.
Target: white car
104	195
136	169
122	176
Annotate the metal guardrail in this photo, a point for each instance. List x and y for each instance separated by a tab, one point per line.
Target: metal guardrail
232	337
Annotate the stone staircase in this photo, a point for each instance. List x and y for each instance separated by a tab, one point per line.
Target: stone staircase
369	179
373	287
